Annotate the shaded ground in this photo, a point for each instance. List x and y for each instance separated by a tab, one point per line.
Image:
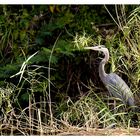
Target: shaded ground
72	131
104	132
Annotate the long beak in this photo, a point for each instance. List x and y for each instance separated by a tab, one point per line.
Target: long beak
94	47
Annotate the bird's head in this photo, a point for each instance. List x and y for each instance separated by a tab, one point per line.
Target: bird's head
101	48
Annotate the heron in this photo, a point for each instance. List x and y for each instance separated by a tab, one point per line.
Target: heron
115	85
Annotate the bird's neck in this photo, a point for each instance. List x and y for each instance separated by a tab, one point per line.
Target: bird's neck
102	72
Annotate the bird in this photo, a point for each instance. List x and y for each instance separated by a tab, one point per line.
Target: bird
115	85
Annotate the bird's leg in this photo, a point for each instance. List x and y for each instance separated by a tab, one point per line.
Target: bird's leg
115	111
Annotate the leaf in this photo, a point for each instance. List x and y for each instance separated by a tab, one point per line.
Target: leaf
52	8
25	97
23	67
22	35
57	8
15	34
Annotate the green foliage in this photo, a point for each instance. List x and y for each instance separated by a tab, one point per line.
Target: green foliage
8	70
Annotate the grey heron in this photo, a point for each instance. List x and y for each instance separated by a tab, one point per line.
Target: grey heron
114	84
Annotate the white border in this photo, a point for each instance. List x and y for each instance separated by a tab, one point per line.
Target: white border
69	2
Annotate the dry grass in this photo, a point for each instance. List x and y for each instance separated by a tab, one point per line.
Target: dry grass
84	117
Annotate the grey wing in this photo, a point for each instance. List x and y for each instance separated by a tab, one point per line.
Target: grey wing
118	88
